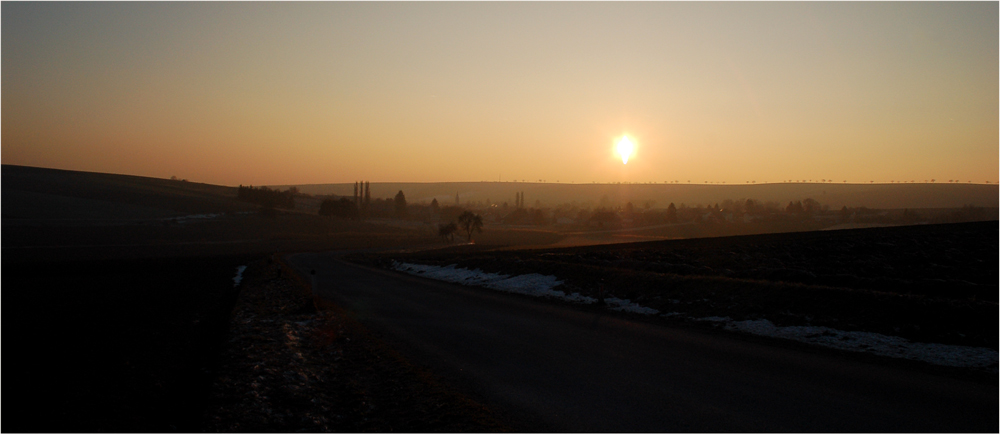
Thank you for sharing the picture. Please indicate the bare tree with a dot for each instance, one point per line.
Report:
(470, 223)
(447, 231)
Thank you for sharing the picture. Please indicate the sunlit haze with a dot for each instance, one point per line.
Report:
(298, 93)
(624, 149)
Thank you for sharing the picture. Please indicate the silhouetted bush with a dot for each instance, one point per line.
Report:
(267, 197)
(400, 204)
(343, 208)
(447, 231)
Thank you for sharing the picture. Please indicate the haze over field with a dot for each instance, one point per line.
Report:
(317, 93)
(660, 196)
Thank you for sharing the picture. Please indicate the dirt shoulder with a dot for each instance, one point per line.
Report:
(293, 363)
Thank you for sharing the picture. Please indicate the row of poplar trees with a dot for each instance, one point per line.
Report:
(362, 194)
(519, 199)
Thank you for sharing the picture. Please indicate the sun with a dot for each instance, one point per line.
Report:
(625, 149)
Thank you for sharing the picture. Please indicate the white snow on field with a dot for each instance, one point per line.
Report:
(239, 275)
(715, 319)
(186, 218)
(866, 342)
(892, 346)
(536, 285)
(626, 305)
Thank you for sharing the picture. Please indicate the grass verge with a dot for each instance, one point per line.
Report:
(296, 363)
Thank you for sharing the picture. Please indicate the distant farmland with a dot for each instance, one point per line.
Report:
(834, 195)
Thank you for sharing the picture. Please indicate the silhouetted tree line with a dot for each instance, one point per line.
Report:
(447, 231)
(468, 221)
(519, 199)
(267, 197)
(728, 216)
(361, 205)
(362, 196)
(343, 208)
(399, 204)
(523, 216)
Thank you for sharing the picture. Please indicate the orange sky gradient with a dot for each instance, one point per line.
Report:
(303, 93)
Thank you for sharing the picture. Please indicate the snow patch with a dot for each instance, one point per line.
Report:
(538, 285)
(715, 319)
(867, 342)
(239, 275)
(626, 305)
(535, 285)
(185, 218)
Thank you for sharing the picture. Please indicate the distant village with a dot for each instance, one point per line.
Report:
(517, 212)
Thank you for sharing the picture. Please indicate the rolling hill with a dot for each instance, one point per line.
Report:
(33, 195)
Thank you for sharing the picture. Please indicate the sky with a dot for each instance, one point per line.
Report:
(305, 93)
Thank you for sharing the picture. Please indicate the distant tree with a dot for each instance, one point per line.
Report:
(810, 205)
(794, 207)
(435, 208)
(672, 213)
(400, 204)
(326, 207)
(447, 231)
(470, 223)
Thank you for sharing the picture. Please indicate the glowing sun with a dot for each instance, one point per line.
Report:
(625, 149)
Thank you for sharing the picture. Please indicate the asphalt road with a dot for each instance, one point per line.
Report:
(548, 367)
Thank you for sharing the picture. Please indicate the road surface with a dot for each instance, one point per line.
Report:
(549, 367)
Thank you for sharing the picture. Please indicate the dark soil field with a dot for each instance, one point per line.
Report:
(119, 302)
(930, 283)
(170, 345)
(122, 314)
(120, 345)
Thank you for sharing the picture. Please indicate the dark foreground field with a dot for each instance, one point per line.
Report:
(120, 345)
(122, 314)
(168, 344)
(929, 283)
